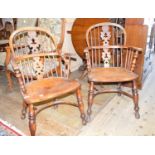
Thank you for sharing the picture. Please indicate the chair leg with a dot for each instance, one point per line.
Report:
(90, 99)
(83, 75)
(119, 89)
(24, 110)
(8, 75)
(32, 120)
(81, 106)
(135, 99)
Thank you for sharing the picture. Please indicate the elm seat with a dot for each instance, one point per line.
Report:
(49, 88)
(113, 74)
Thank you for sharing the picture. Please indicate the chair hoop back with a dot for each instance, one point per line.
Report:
(106, 34)
(34, 53)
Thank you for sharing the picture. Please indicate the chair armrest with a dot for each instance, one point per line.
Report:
(140, 50)
(136, 51)
(66, 58)
(69, 56)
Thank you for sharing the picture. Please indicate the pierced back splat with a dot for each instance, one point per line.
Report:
(103, 36)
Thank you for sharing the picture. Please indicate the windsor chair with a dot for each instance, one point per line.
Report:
(42, 73)
(109, 61)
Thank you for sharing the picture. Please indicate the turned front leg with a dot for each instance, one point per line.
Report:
(81, 105)
(135, 99)
(119, 89)
(90, 99)
(32, 120)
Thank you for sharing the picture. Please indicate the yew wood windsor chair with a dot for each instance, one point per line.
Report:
(42, 73)
(109, 61)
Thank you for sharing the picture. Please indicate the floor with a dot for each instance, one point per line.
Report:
(112, 115)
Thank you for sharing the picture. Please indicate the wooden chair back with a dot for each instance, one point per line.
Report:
(34, 54)
(106, 45)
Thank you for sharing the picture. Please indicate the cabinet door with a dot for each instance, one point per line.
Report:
(134, 21)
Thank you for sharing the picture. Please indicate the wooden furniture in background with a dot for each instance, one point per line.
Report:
(42, 73)
(137, 34)
(133, 21)
(6, 28)
(109, 61)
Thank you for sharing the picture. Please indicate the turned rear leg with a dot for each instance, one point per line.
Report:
(135, 100)
(90, 100)
(24, 110)
(10, 83)
(81, 106)
(119, 89)
(83, 75)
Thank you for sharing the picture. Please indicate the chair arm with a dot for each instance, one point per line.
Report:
(140, 50)
(66, 58)
(69, 56)
(136, 51)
